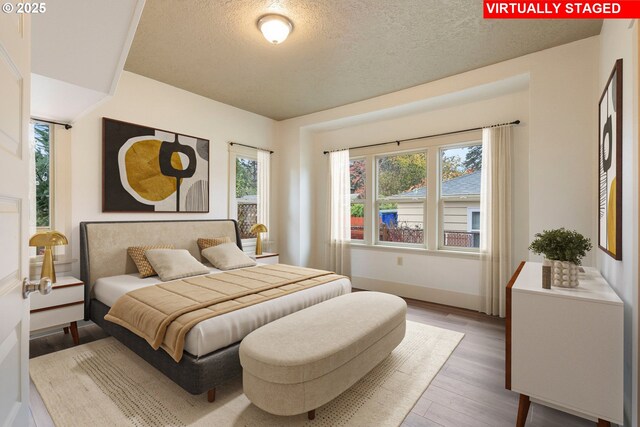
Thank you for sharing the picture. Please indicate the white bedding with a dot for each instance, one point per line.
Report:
(221, 331)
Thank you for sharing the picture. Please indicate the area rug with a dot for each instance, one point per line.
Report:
(103, 383)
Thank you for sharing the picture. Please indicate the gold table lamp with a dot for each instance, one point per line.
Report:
(48, 239)
(257, 230)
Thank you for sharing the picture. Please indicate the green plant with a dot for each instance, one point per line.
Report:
(561, 245)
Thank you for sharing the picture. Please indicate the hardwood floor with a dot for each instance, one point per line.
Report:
(468, 390)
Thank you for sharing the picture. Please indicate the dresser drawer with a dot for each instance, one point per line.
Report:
(57, 316)
(58, 296)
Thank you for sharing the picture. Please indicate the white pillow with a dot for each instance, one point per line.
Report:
(227, 256)
(171, 264)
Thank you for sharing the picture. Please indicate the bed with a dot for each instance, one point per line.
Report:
(211, 347)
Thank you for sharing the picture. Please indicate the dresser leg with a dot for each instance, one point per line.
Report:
(311, 414)
(603, 423)
(211, 395)
(523, 410)
(73, 326)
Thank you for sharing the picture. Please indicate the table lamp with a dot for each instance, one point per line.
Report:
(257, 230)
(48, 239)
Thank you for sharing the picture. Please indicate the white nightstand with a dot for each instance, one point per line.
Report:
(63, 306)
(267, 258)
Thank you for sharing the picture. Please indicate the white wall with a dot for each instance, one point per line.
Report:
(619, 41)
(553, 92)
(148, 102)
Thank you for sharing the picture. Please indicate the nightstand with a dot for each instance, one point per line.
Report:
(64, 306)
(267, 258)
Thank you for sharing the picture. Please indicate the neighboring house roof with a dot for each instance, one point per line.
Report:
(465, 184)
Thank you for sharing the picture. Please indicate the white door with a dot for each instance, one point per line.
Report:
(15, 84)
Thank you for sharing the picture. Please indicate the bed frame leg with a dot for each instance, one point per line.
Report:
(311, 414)
(211, 395)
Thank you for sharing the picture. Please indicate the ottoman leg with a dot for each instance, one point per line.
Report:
(311, 414)
(211, 395)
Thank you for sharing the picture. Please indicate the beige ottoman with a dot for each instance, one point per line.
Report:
(302, 361)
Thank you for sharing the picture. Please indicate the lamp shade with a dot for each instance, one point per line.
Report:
(275, 28)
(48, 238)
(258, 228)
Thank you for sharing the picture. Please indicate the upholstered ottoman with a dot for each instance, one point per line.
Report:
(302, 361)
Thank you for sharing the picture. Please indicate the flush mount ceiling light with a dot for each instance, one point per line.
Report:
(275, 28)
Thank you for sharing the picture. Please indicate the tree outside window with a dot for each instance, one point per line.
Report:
(42, 138)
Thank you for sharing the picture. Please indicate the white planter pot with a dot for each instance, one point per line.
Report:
(564, 274)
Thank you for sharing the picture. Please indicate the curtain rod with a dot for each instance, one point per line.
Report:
(250, 146)
(67, 126)
(515, 122)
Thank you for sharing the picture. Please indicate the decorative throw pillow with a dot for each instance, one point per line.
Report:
(174, 264)
(204, 243)
(137, 255)
(227, 256)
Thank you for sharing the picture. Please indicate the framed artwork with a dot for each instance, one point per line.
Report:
(610, 165)
(153, 170)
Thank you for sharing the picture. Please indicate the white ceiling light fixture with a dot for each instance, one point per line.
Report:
(275, 28)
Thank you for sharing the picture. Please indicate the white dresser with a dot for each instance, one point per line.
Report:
(565, 345)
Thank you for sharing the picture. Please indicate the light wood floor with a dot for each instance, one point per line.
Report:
(468, 390)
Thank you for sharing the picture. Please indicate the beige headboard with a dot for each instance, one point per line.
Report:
(103, 245)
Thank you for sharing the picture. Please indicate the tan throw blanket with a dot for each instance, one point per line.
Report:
(163, 314)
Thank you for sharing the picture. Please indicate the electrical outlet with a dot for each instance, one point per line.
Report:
(399, 261)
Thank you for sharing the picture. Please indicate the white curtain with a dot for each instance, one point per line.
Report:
(264, 174)
(339, 207)
(32, 187)
(495, 218)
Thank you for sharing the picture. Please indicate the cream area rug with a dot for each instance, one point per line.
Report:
(103, 383)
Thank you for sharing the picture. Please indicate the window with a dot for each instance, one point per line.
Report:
(460, 170)
(427, 196)
(249, 189)
(401, 190)
(246, 195)
(358, 175)
(43, 175)
(474, 219)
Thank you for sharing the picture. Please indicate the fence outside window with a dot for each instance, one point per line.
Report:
(247, 218)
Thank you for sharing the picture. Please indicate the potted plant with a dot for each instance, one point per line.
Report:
(565, 250)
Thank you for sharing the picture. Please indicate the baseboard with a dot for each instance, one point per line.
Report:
(440, 296)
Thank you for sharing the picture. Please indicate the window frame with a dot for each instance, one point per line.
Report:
(235, 152)
(377, 200)
(432, 203)
(59, 198)
(453, 198)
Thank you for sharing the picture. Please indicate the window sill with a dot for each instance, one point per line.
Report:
(415, 250)
(37, 261)
(62, 266)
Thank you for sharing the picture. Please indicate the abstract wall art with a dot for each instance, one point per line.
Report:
(152, 170)
(610, 165)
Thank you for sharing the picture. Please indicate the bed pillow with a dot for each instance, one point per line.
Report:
(174, 264)
(227, 256)
(204, 243)
(137, 255)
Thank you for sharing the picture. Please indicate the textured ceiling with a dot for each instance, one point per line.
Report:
(340, 51)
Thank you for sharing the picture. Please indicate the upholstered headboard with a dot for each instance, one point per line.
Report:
(103, 245)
